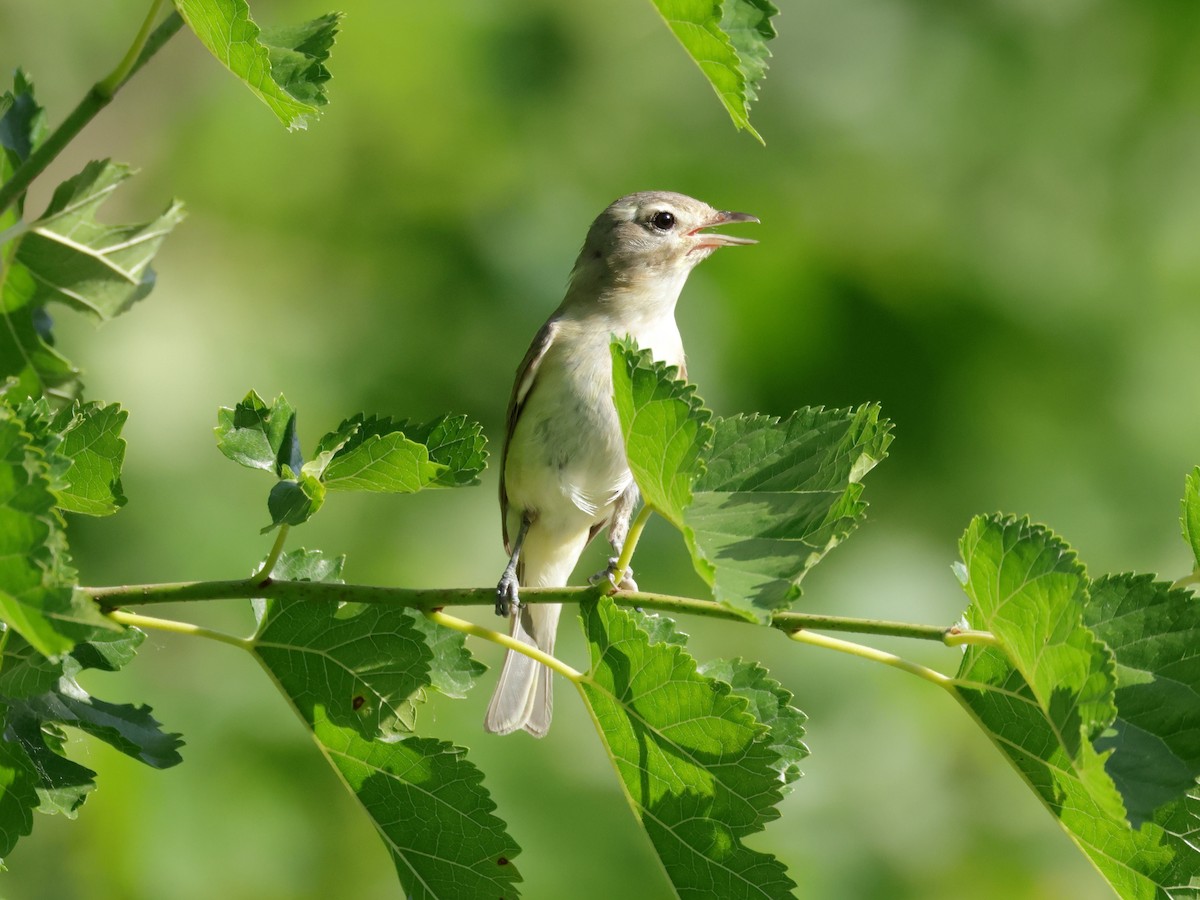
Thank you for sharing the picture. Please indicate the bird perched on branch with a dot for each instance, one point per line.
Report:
(564, 472)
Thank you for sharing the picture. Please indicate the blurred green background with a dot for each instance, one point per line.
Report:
(984, 215)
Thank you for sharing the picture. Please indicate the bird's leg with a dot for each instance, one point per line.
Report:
(507, 590)
(618, 530)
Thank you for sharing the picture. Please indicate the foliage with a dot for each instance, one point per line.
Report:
(1088, 687)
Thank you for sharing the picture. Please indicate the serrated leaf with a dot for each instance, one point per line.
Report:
(259, 436)
(70, 257)
(1049, 692)
(453, 669)
(91, 440)
(769, 703)
(97, 269)
(699, 771)
(1154, 633)
(429, 805)
(381, 462)
(1029, 589)
(1189, 518)
(367, 665)
(364, 669)
(426, 800)
(454, 442)
(727, 40)
(60, 785)
(284, 67)
(775, 497)
(1158, 860)
(130, 729)
(37, 596)
(665, 425)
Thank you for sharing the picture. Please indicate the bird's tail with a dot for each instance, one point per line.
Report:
(524, 696)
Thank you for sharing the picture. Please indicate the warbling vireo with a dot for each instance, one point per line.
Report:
(564, 472)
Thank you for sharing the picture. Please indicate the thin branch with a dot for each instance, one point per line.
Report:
(435, 599)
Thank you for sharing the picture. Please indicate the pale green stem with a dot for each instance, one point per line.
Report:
(879, 656)
(974, 638)
(109, 85)
(632, 538)
(1188, 580)
(150, 622)
(268, 566)
(504, 640)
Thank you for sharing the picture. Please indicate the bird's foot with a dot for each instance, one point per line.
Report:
(620, 581)
(508, 596)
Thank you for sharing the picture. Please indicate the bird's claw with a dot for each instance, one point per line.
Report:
(610, 573)
(507, 594)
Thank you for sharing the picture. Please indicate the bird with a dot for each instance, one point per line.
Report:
(564, 473)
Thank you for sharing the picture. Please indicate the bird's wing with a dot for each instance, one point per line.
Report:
(526, 373)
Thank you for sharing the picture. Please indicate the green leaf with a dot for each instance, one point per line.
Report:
(367, 665)
(429, 805)
(130, 729)
(91, 440)
(1154, 633)
(775, 497)
(770, 703)
(665, 425)
(728, 41)
(1189, 518)
(1049, 692)
(284, 67)
(355, 675)
(1028, 589)
(454, 442)
(22, 127)
(37, 596)
(364, 668)
(381, 462)
(700, 773)
(259, 436)
(97, 269)
(40, 698)
(18, 795)
(70, 257)
(452, 670)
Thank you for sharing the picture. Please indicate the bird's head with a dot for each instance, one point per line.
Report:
(652, 236)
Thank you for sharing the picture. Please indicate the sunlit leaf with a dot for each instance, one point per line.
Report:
(355, 675)
(775, 497)
(284, 67)
(258, 435)
(666, 429)
(699, 771)
(728, 41)
(37, 596)
(91, 440)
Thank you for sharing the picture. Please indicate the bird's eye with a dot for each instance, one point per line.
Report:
(663, 221)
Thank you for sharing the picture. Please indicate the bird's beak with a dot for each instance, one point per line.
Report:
(715, 239)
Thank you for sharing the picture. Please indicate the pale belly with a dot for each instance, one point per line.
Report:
(566, 460)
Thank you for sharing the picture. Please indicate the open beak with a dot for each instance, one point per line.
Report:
(716, 239)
